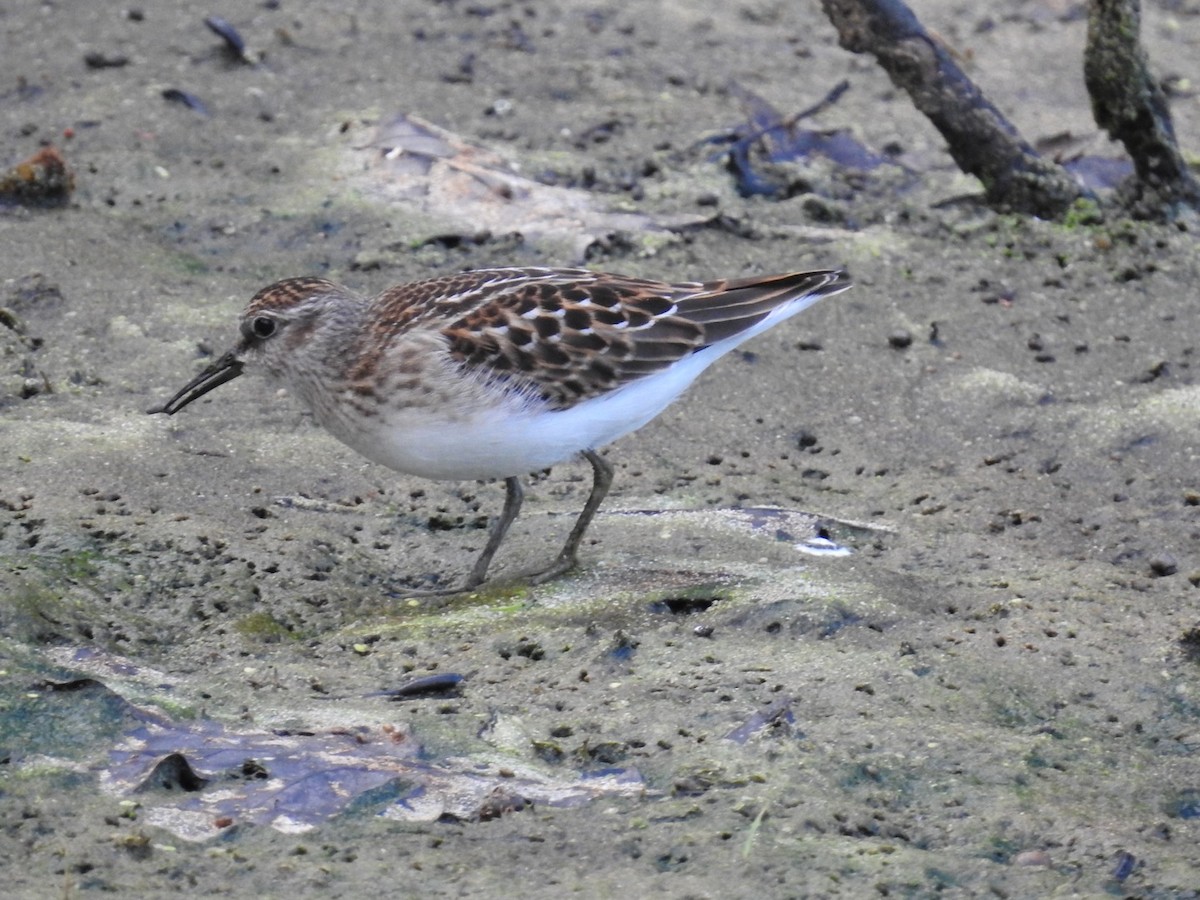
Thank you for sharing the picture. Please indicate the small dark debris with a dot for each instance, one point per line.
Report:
(252, 770)
(442, 684)
(823, 211)
(524, 647)
(623, 646)
(600, 133)
(1126, 863)
(173, 772)
(453, 241)
(97, 60)
(900, 339)
(191, 101)
(683, 606)
(777, 717)
(691, 786)
(1159, 370)
(805, 439)
(441, 521)
(1189, 641)
(41, 180)
(235, 47)
(607, 753)
(68, 687)
(530, 649)
(501, 802)
(548, 751)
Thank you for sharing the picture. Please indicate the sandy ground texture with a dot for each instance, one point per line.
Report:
(995, 694)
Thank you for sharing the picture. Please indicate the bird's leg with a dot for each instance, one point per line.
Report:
(568, 557)
(513, 498)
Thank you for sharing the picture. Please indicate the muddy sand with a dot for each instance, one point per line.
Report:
(995, 693)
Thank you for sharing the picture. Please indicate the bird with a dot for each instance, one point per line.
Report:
(499, 372)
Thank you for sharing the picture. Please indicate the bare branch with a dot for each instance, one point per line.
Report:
(981, 140)
(1132, 107)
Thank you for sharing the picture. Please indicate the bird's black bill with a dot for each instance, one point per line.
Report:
(227, 368)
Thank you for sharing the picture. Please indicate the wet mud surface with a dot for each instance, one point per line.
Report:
(995, 693)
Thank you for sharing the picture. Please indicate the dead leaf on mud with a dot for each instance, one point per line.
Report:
(197, 777)
(459, 188)
(294, 781)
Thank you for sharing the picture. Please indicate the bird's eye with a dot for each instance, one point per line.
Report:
(262, 326)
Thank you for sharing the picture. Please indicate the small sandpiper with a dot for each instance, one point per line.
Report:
(496, 373)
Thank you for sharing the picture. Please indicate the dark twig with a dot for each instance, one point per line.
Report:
(980, 139)
(821, 105)
(1132, 107)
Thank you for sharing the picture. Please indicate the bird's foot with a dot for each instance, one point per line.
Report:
(561, 566)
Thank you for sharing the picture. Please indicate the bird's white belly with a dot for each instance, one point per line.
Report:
(509, 440)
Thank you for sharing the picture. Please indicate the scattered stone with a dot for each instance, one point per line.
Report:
(1163, 564)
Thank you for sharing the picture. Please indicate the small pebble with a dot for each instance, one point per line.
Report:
(900, 338)
(1162, 564)
(1032, 858)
